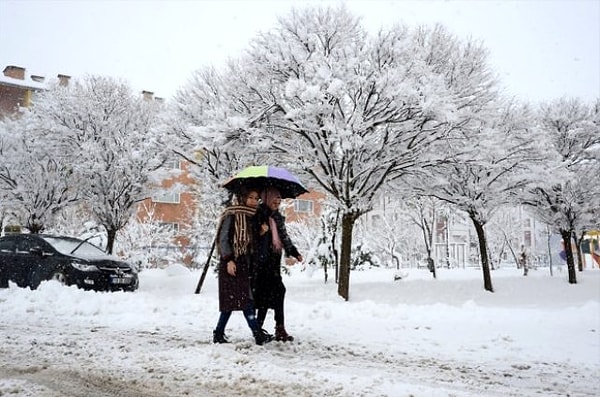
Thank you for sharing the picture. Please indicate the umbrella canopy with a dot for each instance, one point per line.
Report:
(265, 176)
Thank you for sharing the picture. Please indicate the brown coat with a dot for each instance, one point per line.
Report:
(234, 291)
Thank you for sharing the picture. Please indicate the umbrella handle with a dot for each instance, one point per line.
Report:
(206, 266)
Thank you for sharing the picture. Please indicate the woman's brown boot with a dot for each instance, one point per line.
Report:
(281, 334)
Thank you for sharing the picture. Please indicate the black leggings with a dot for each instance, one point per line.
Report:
(277, 304)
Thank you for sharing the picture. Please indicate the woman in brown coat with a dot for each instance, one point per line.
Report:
(234, 244)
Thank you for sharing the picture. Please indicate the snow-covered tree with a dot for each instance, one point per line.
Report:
(356, 111)
(422, 211)
(567, 198)
(393, 234)
(491, 160)
(148, 242)
(36, 184)
(305, 235)
(106, 132)
(327, 249)
(216, 152)
(352, 111)
(504, 233)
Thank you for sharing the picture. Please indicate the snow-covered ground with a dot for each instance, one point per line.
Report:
(535, 336)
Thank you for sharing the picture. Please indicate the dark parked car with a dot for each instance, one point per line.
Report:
(29, 259)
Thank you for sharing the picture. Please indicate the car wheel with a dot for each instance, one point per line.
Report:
(60, 277)
(34, 280)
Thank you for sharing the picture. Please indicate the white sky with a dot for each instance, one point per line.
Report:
(541, 49)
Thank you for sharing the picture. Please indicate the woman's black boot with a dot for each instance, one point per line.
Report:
(219, 337)
(261, 337)
(282, 335)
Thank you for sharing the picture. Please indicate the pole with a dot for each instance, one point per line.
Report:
(206, 266)
(549, 250)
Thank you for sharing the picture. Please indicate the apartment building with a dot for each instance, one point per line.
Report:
(17, 88)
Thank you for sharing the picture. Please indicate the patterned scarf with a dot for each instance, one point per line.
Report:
(242, 230)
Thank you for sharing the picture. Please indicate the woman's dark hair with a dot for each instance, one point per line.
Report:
(243, 193)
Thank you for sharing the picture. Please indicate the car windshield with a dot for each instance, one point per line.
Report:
(67, 245)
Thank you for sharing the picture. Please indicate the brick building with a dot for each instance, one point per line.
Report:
(17, 88)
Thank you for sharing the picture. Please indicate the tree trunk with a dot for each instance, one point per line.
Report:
(428, 238)
(485, 261)
(490, 257)
(397, 261)
(578, 242)
(335, 254)
(566, 236)
(395, 258)
(345, 255)
(110, 240)
(430, 262)
(35, 228)
(579, 257)
(447, 231)
(431, 266)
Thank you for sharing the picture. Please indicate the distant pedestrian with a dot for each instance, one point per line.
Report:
(523, 259)
(234, 244)
(430, 264)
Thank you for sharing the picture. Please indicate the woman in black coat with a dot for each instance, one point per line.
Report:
(271, 239)
(234, 245)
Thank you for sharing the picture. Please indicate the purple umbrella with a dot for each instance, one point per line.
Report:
(265, 176)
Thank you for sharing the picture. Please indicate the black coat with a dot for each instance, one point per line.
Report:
(267, 287)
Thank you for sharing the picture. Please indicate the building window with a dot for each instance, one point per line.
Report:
(169, 226)
(303, 206)
(527, 238)
(171, 198)
(172, 164)
(375, 220)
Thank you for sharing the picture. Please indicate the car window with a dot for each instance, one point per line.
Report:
(67, 245)
(7, 245)
(24, 245)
